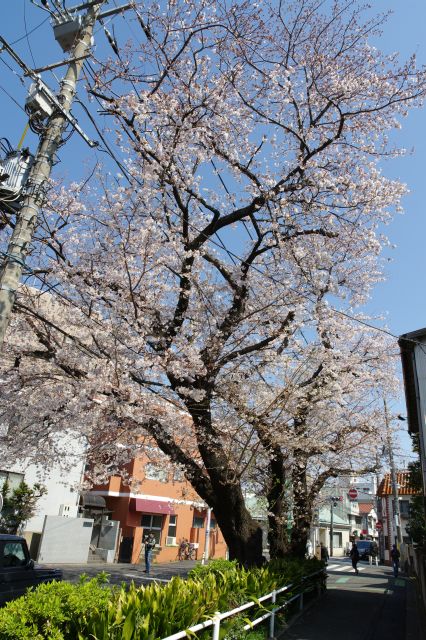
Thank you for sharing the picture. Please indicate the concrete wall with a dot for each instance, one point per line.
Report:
(65, 540)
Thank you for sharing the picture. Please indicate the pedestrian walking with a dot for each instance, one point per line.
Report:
(374, 554)
(324, 553)
(354, 557)
(149, 542)
(395, 556)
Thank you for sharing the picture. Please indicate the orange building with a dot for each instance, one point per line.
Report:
(162, 502)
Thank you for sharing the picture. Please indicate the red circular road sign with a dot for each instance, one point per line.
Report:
(353, 494)
(379, 525)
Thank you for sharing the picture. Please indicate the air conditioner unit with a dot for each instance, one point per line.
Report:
(171, 542)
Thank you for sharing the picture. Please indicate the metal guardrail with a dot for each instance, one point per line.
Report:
(217, 618)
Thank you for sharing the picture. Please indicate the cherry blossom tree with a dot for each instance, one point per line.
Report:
(247, 211)
(319, 416)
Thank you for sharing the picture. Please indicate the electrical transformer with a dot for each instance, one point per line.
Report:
(15, 166)
(66, 32)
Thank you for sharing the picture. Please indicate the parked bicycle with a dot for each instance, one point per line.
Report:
(186, 550)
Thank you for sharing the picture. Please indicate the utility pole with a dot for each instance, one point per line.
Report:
(207, 538)
(396, 524)
(50, 141)
(333, 503)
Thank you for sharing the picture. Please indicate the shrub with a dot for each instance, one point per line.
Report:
(57, 611)
(214, 566)
(93, 611)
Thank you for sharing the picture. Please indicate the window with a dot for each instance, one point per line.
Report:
(14, 479)
(152, 524)
(155, 472)
(337, 540)
(14, 555)
(198, 522)
(171, 532)
(213, 524)
(404, 507)
(172, 526)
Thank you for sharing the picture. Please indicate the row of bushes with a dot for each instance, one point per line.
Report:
(93, 610)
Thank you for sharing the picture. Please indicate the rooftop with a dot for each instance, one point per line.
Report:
(365, 507)
(403, 479)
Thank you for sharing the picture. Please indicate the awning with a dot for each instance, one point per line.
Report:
(93, 500)
(151, 506)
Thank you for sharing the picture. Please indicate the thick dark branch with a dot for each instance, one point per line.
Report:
(194, 473)
(258, 346)
(225, 273)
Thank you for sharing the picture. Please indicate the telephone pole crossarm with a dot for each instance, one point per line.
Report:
(51, 139)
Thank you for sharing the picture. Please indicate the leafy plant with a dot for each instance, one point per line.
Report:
(19, 505)
(93, 610)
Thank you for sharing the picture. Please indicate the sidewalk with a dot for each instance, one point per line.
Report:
(370, 606)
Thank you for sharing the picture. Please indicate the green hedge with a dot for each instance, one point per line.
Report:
(92, 610)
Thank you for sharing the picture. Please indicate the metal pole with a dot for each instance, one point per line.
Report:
(50, 141)
(207, 538)
(396, 523)
(272, 618)
(216, 626)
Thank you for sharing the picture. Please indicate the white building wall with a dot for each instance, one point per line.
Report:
(61, 486)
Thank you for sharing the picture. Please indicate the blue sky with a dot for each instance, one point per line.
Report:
(402, 297)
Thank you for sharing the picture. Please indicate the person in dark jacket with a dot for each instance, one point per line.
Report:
(395, 556)
(324, 553)
(373, 556)
(149, 542)
(354, 557)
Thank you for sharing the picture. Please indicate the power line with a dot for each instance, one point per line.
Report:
(13, 99)
(27, 33)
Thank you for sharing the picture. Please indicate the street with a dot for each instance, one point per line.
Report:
(370, 606)
(125, 572)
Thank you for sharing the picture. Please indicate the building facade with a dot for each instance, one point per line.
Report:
(387, 513)
(159, 501)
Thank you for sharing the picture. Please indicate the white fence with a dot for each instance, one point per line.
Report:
(217, 618)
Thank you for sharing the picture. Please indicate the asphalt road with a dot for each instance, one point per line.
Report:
(118, 573)
(370, 606)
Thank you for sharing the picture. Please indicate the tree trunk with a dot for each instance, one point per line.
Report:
(302, 510)
(278, 506)
(242, 534)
